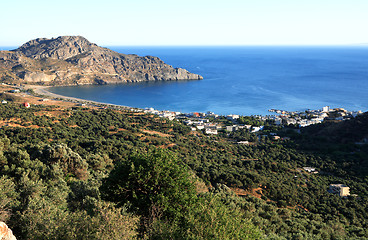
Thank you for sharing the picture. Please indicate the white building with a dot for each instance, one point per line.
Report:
(200, 126)
(309, 169)
(246, 126)
(326, 109)
(232, 128)
(211, 131)
(290, 121)
(167, 114)
(212, 126)
(232, 117)
(151, 110)
(188, 122)
(257, 129)
(339, 189)
(278, 121)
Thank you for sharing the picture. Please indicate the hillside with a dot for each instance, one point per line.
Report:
(73, 60)
(124, 173)
(352, 131)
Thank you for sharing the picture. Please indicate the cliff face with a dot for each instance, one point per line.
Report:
(72, 60)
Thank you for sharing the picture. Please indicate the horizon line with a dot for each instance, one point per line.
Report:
(222, 45)
(241, 45)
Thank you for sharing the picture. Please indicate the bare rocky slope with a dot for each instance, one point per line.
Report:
(73, 60)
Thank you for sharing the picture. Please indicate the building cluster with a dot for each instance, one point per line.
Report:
(201, 121)
(310, 170)
(203, 124)
(309, 117)
(197, 121)
(166, 114)
(236, 127)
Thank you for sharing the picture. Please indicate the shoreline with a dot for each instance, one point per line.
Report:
(37, 94)
(42, 91)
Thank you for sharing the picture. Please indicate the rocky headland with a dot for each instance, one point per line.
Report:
(73, 60)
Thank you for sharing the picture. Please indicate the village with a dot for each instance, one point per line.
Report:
(209, 124)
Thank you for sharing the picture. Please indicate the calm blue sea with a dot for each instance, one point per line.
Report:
(245, 80)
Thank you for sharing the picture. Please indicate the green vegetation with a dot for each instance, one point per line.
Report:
(126, 175)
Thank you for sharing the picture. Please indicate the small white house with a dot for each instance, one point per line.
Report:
(211, 131)
(326, 109)
(339, 189)
(278, 121)
(232, 128)
(200, 126)
(232, 117)
(257, 129)
(309, 169)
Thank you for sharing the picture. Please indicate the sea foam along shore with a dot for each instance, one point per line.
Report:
(43, 91)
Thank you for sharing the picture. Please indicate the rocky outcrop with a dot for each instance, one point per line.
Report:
(72, 60)
(59, 48)
(5, 232)
(38, 76)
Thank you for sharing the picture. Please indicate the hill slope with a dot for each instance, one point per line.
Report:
(350, 131)
(73, 60)
(60, 165)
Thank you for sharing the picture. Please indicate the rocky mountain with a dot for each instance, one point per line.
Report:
(73, 60)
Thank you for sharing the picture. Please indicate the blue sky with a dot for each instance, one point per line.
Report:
(187, 22)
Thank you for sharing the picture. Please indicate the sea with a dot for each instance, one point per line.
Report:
(245, 80)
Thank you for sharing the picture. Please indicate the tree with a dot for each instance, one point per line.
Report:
(8, 197)
(155, 183)
(162, 190)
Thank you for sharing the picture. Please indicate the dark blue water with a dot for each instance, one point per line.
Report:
(245, 80)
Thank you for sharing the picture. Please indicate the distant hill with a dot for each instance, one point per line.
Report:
(73, 60)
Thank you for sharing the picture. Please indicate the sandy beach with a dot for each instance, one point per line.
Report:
(42, 91)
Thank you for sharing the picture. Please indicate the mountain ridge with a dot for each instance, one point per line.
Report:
(73, 60)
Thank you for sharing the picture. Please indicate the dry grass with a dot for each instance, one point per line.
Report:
(158, 133)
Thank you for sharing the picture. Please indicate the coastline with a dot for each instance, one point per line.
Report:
(36, 95)
(43, 91)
